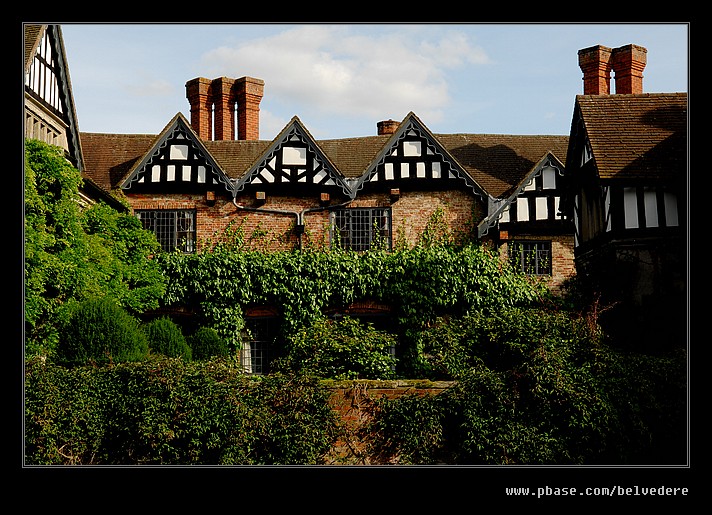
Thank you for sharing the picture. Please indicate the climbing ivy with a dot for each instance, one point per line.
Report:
(420, 283)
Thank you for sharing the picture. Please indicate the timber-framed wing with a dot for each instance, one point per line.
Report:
(536, 199)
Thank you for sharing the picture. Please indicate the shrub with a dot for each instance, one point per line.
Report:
(165, 411)
(344, 349)
(165, 337)
(206, 343)
(99, 330)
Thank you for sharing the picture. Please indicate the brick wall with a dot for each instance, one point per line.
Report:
(411, 213)
(562, 259)
(414, 210)
(353, 402)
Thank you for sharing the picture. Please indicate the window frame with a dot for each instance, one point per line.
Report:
(175, 242)
(517, 257)
(258, 351)
(348, 230)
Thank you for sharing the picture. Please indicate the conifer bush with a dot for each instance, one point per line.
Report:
(166, 337)
(206, 343)
(99, 330)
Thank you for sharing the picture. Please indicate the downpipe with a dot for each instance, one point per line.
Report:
(298, 215)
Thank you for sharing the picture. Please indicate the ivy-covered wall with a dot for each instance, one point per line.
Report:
(353, 403)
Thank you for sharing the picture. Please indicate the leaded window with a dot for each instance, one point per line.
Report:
(531, 257)
(362, 229)
(260, 348)
(174, 228)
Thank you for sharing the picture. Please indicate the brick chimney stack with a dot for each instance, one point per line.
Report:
(212, 106)
(201, 106)
(387, 127)
(627, 62)
(595, 65)
(249, 93)
(224, 102)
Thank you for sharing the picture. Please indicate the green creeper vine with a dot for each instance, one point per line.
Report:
(420, 283)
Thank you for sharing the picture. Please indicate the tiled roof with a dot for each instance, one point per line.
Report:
(636, 136)
(352, 155)
(109, 157)
(236, 156)
(497, 162)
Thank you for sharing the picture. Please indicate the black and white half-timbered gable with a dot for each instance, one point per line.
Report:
(49, 106)
(530, 219)
(414, 158)
(292, 163)
(627, 173)
(178, 162)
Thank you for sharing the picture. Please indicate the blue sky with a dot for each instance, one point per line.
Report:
(341, 79)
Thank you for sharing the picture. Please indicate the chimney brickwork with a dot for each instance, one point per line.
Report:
(212, 106)
(201, 106)
(387, 127)
(627, 62)
(249, 92)
(224, 105)
(595, 65)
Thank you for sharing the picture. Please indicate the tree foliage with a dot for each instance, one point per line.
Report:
(166, 337)
(73, 253)
(342, 349)
(535, 386)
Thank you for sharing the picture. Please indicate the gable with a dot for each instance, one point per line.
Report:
(294, 160)
(177, 162)
(47, 84)
(414, 156)
(536, 199)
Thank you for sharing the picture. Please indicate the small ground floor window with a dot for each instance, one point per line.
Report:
(261, 347)
(531, 257)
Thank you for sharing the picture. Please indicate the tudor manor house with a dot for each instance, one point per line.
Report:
(608, 201)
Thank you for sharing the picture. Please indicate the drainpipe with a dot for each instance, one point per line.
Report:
(298, 215)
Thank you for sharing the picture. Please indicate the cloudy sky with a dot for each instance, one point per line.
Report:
(341, 79)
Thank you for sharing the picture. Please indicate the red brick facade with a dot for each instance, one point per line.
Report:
(411, 213)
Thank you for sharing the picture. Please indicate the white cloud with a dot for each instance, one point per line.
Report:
(328, 68)
(150, 88)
